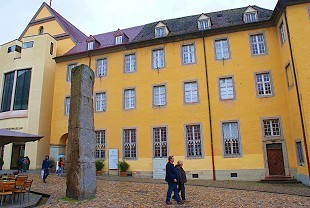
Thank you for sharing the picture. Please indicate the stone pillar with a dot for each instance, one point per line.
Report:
(81, 172)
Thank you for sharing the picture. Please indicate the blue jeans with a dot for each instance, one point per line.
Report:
(172, 187)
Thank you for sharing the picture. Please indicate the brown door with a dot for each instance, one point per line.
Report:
(275, 159)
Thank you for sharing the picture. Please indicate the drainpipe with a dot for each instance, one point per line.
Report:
(89, 59)
(209, 105)
(298, 95)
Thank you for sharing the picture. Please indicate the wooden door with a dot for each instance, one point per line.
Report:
(275, 159)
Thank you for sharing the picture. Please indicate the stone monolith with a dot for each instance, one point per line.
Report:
(81, 173)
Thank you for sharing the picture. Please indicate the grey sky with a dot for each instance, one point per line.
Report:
(98, 16)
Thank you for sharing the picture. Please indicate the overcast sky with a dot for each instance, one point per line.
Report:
(98, 16)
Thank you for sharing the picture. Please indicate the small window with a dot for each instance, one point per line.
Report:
(282, 33)
(250, 17)
(67, 105)
(226, 88)
(289, 76)
(41, 30)
(160, 32)
(258, 45)
(190, 92)
(193, 141)
(158, 56)
(16, 48)
(130, 63)
(52, 48)
(159, 95)
(221, 49)
(28, 44)
(119, 40)
(160, 142)
(263, 84)
(300, 154)
(100, 144)
(204, 24)
(188, 54)
(90, 46)
(129, 99)
(102, 67)
(129, 143)
(231, 139)
(272, 127)
(69, 71)
(100, 102)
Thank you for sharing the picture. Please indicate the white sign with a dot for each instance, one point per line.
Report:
(113, 159)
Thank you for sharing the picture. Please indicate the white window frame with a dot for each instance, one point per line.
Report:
(130, 99)
(158, 58)
(160, 143)
(118, 39)
(226, 91)
(193, 140)
(300, 153)
(264, 83)
(69, 70)
(272, 125)
(221, 49)
(190, 92)
(188, 54)
(100, 102)
(130, 63)
(90, 45)
(67, 105)
(102, 66)
(282, 33)
(160, 32)
(131, 143)
(258, 44)
(204, 24)
(100, 146)
(159, 95)
(250, 17)
(230, 148)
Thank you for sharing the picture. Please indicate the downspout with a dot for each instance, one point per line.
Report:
(298, 95)
(209, 105)
(89, 59)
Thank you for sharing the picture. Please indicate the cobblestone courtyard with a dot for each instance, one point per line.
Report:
(114, 191)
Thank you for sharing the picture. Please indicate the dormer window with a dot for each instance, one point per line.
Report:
(250, 15)
(161, 30)
(90, 46)
(119, 40)
(204, 22)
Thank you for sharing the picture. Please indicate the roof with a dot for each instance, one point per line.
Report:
(75, 34)
(177, 26)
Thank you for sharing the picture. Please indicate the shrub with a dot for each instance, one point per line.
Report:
(52, 162)
(123, 166)
(99, 164)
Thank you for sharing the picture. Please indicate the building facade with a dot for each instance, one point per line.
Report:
(226, 92)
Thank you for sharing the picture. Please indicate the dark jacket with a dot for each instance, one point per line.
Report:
(45, 164)
(182, 174)
(171, 173)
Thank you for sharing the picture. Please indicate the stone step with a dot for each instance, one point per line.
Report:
(279, 179)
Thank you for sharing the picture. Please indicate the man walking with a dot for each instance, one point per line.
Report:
(172, 178)
(45, 168)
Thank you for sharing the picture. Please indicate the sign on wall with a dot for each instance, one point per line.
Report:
(113, 159)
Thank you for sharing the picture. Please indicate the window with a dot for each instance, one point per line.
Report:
(14, 48)
(52, 48)
(159, 95)
(158, 59)
(193, 141)
(188, 54)
(130, 140)
(221, 49)
(119, 40)
(226, 88)
(263, 84)
(18, 99)
(90, 46)
(282, 33)
(190, 92)
(204, 24)
(250, 17)
(100, 102)
(27, 44)
(100, 144)
(258, 44)
(231, 140)
(67, 105)
(289, 76)
(129, 99)
(41, 30)
(69, 71)
(160, 32)
(130, 63)
(160, 142)
(102, 67)
(271, 127)
(300, 154)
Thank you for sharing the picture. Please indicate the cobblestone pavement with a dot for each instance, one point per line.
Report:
(115, 191)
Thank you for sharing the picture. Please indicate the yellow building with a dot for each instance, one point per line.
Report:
(225, 92)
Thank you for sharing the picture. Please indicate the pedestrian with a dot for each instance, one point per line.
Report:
(60, 167)
(45, 168)
(183, 180)
(24, 164)
(172, 178)
(19, 164)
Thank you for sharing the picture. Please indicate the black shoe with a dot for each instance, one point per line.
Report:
(181, 202)
(168, 203)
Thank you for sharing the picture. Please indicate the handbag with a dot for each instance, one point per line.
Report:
(42, 174)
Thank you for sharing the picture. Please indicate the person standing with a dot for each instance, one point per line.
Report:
(45, 167)
(183, 180)
(172, 178)
(60, 167)
(19, 164)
